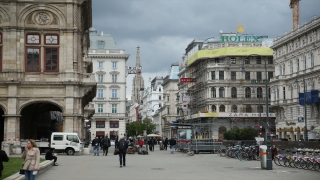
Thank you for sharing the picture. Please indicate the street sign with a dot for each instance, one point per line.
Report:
(300, 119)
(186, 80)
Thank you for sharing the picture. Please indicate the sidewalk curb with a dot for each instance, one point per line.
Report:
(42, 168)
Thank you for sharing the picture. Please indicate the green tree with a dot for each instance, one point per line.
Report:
(248, 133)
(137, 128)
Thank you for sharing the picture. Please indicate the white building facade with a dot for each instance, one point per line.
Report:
(109, 66)
(297, 69)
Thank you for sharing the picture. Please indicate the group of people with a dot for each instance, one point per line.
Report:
(104, 143)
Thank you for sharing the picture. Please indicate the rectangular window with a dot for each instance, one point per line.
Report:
(168, 110)
(258, 61)
(284, 92)
(33, 39)
(51, 39)
(270, 61)
(100, 77)
(221, 75)
(247, 76)
(270, 75)
(114, 64)
(247, 61)
(213, 75)
(100, 93)
(233, 60)
(100, 44)
(114, 93)
(233, 75)
(51, 59)
(58, 137)
(114, 124)
(73, 138)
(100, 124)
(168, 98)
(100, 64)
(259, 75)
(100, 108)
(32, 59)
(114, 108)
(217, 60)
(114, 78)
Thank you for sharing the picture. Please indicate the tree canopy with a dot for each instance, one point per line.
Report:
(137, 128)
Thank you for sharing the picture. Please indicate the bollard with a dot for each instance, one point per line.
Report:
(263, 156)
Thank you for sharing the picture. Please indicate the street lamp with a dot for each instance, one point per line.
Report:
(268, 141)
(305, 108)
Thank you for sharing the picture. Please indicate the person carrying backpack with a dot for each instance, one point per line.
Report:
(122, 146)
(105, 144)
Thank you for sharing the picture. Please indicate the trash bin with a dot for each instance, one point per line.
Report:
(263, 156)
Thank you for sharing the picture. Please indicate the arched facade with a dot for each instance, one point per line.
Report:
(49, 73)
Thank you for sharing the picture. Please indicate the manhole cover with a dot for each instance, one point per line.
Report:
(227, 167)
(157, 168)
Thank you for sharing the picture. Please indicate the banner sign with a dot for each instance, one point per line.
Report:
(308, 98)
(186, 80)
(315, 96)
(301, 99)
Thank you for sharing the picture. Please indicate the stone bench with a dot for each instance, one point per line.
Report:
(42, 167)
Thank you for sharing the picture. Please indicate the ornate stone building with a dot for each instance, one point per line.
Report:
(44, 68)
(297, 67)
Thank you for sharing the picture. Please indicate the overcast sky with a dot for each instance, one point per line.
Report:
(164, 28)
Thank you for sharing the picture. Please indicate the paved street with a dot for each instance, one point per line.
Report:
(160, 165)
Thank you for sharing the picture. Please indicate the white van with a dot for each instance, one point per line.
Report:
(66, 142)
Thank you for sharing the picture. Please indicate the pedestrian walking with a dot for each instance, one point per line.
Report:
(96, 145)
(172, 143)
(31, 156)
(122, 146)
(116, 142)
(3, 158)
(166, 141)
(105, 144)
(274, 151)
(152, 142)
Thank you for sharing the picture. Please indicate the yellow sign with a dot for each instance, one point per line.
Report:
(230, 51)
(240, 28)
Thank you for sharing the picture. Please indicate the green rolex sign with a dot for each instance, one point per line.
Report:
(240, 39)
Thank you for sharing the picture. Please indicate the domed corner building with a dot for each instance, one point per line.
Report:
(223, 81)
(46, 80)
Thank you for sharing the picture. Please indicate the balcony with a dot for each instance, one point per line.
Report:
(110, 115)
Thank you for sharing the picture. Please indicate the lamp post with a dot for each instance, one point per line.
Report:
(305, 108)
(268, 140)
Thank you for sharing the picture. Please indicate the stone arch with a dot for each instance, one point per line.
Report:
(4, 15)
(23, 105)
(44, 7)
(3, 107)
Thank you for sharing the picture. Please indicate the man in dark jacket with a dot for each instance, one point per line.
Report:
(122, 146)
(105, 144)
(165, 144)
(3, 158)
(172, 143)
(50, 156)
(95, 145)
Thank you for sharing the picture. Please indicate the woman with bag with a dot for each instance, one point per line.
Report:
(31, 156)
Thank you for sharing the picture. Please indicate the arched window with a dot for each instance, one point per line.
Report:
(221, 92)
(233, 92)
(312, 59)
(222, 108)
(234, 109)
(248, 109)
(214, 108)
(213, 92)
(248, 92)
(260, 108)
(259, 92)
